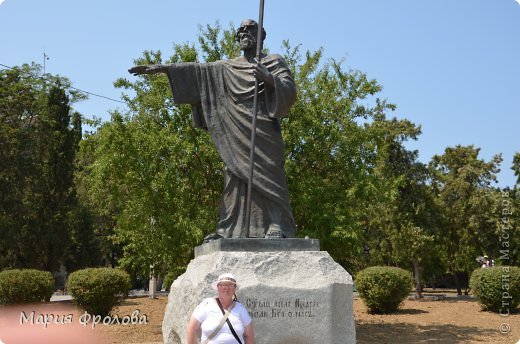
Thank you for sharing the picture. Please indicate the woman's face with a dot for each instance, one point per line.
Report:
(226, 289)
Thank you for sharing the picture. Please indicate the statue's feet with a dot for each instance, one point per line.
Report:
(275, 232)
(211, 237)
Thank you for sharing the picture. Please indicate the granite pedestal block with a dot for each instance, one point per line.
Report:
(294, 293)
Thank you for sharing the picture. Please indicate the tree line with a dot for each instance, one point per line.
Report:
(142, 189)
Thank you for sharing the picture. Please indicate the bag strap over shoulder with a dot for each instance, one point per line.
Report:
(229, 322)
(221, 323)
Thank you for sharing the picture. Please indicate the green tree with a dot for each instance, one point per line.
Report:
(462, 182)
(39, 136)
(511, 216)
(508, 220)
(402, 225)
(516, 167)
(331, 152)
(154, 178)
(18, 108)
(160, 179)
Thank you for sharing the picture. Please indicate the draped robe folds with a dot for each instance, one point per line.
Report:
(221, 94)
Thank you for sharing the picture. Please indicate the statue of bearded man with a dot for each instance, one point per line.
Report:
(221, 94)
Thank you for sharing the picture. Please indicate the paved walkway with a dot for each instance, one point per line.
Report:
(56, 297)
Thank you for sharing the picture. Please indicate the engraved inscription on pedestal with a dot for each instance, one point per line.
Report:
(283, 308)
(300, 297)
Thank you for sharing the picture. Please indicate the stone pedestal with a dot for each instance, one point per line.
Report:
(295, 293)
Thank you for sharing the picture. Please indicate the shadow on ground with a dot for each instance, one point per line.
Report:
(408, 333)
(129, 302)
(410, 311)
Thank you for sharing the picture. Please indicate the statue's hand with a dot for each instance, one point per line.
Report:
(142, 69)
(261, 72)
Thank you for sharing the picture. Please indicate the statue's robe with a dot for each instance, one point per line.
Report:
(221, 94)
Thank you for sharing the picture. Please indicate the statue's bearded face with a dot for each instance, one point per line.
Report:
(246, 35)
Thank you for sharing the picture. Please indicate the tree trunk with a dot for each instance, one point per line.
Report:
(152, 288)
(456, 280)
(417, 274)
(152, 283)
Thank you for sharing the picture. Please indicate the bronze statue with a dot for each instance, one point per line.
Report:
(221, 94)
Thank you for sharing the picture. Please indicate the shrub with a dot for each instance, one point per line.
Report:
(172, 276)
(383, 288)
(168, 280)
(497, 289)
(25, 286)
(98, 290)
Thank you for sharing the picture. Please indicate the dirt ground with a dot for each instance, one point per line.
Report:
(454, 320)
(449, 321)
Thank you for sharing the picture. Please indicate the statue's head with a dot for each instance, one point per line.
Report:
(247, 33)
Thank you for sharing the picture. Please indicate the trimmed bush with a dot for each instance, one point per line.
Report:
(98, 290)
(25, 286)
(383, 288)
(497, 289)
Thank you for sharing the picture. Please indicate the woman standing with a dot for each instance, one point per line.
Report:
(223, 320)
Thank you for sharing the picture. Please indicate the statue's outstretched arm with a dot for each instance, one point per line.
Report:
(148, 69)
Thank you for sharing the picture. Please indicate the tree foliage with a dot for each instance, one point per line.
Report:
(516, 167)
(160, 179)
(462, 182)
(401, 226)
(146, 185)
(333, 138)
(155, 176)
(39, 137)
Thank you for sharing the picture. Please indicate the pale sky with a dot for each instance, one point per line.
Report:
(451, 66)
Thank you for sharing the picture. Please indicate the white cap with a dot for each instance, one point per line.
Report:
(227, 277)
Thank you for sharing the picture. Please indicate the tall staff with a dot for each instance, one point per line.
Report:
(253, 130)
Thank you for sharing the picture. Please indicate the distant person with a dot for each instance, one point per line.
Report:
(223, 319)
(483, 261)
(490, 262)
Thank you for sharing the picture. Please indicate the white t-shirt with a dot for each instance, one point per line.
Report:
(208, 313)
